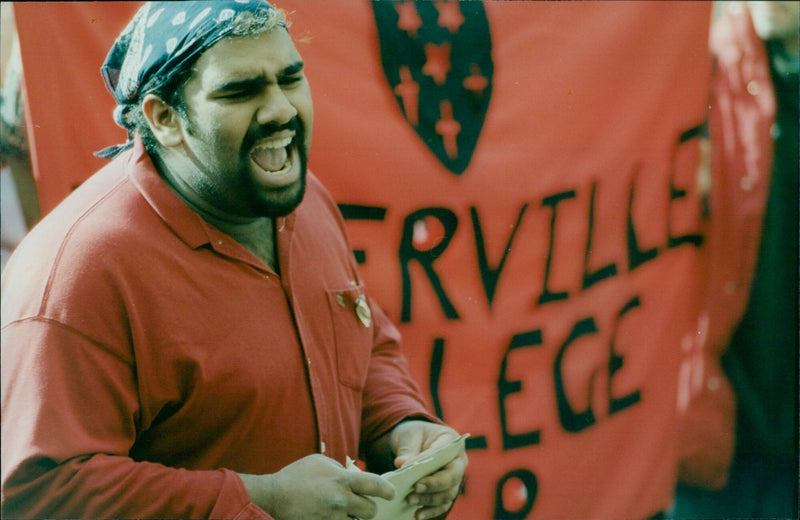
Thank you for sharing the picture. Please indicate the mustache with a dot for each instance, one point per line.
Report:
(266, 130)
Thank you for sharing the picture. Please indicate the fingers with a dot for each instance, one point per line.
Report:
(432, 512)
(344, 505)
(448, 477)
(433, 495)
(413, 440)
(370, 485)
(407, 444)
(353, 499)
(434, 504)
(361, 507)
(363, 486)
(433, 499)
(437, 492)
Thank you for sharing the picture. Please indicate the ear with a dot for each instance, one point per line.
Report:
(163, 120)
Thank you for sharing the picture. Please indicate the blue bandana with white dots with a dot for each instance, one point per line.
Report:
(162, 37)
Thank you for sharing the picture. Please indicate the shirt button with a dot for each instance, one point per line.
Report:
(746, 183)
(322, 447)
(730, 288)
(713, 384)
(752, 88)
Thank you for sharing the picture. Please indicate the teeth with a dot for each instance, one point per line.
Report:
(275, 143)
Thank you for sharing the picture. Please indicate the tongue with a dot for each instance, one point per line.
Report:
(270, 159)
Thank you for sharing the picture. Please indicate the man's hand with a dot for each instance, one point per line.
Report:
(412, 440)
(317, 488)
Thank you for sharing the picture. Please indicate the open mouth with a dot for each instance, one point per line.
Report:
(273, 155)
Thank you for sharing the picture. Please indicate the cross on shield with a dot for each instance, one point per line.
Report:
(438, 61)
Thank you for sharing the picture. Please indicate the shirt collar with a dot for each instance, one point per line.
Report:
(187, 224)
(184, 222)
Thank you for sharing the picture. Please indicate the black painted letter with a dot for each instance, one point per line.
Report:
(506, 387)
(425, 258)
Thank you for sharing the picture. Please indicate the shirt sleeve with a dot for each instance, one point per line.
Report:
(390, 394)
(69, 418)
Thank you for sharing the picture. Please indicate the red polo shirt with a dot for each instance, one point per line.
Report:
(146, 355)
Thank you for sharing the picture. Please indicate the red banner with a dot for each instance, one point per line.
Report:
(536, 236)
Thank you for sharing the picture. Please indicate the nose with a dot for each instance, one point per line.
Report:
(276, 107)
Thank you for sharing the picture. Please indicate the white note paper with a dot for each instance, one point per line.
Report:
(403, 480)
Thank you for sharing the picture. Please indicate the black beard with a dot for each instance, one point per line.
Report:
(284, 200)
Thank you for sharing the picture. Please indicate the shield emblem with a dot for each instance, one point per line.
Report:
(437, 57)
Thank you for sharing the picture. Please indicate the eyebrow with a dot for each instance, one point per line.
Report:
(258, 80)
(291, 70)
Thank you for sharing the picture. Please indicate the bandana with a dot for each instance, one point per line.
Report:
(159, 40)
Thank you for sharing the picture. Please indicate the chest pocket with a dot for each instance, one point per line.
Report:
(352, 329)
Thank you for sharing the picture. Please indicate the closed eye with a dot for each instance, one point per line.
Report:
(245, 88)
(291, 80)
(240, 89)
(292, 74)
(237, 94)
